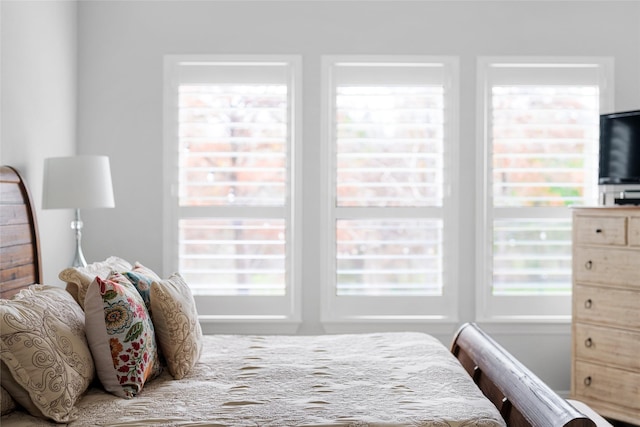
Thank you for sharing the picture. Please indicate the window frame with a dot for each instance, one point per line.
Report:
(345, 310)
(539, 308)
(219, 313)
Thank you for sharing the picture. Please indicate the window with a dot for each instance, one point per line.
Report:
(230, 157)
(389, 143)
(540, 156)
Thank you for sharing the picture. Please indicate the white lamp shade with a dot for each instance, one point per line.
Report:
(78, 182)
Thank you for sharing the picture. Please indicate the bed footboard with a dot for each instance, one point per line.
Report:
(520, 396)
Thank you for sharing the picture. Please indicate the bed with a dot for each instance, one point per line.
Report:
(380, 379)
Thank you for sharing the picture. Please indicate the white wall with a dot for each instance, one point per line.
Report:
(38, 112)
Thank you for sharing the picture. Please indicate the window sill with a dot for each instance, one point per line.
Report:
(248, 324)
(526, 326)
(363, 324)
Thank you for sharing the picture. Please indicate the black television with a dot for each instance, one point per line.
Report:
(619, 148)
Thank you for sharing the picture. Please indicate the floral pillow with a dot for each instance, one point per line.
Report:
(142, 284)
(121, 336)
(177, 327)
(46, 362)
(141, 277)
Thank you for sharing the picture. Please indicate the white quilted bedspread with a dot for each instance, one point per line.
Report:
(391, 379)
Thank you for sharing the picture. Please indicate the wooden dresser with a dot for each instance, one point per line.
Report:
(605, 367)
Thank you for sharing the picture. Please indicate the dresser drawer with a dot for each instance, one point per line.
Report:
(612, 347)
(606, 306)
(634, 231)
(607, 384)
(611, 266)
(600, 230)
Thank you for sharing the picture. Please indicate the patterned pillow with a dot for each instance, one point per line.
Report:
(141, 277)
(46, 359)
(139, 268)
(121, 336)
(78, 279)
(17, 392)
(142, 284)
(177, 327)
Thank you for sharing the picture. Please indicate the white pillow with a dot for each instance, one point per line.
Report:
(78, 279)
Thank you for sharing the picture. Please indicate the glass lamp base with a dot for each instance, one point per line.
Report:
(78, 258)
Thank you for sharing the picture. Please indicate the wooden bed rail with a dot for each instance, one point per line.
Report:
(520, 396)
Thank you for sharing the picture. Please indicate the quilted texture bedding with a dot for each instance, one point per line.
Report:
(385, 379)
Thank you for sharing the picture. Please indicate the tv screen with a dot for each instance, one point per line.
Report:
(619, 148)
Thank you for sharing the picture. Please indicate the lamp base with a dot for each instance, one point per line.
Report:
(78, 258)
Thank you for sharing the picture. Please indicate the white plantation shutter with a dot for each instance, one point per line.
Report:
(389, 258)
(389, 153)
(233, 257)
(531, 257)
(542, 144)
(544, 149)
(233, 122)
(388, 125)
(233, 152)
(389, 145)
(233, 144)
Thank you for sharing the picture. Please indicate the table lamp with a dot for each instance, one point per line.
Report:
(78, 182)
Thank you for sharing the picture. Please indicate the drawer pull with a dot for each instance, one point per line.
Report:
(588, 303)
(588, 265)
(598, 230)
(588, 342)
(587, 381)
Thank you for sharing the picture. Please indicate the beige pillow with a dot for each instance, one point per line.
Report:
(139, 268)
(78, 279)
(176, 321)
(17, 392)
(7, 404)
(45, 351)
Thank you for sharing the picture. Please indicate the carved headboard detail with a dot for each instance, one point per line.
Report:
(20, 263)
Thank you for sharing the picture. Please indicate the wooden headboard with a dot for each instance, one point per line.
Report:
(20, 263)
